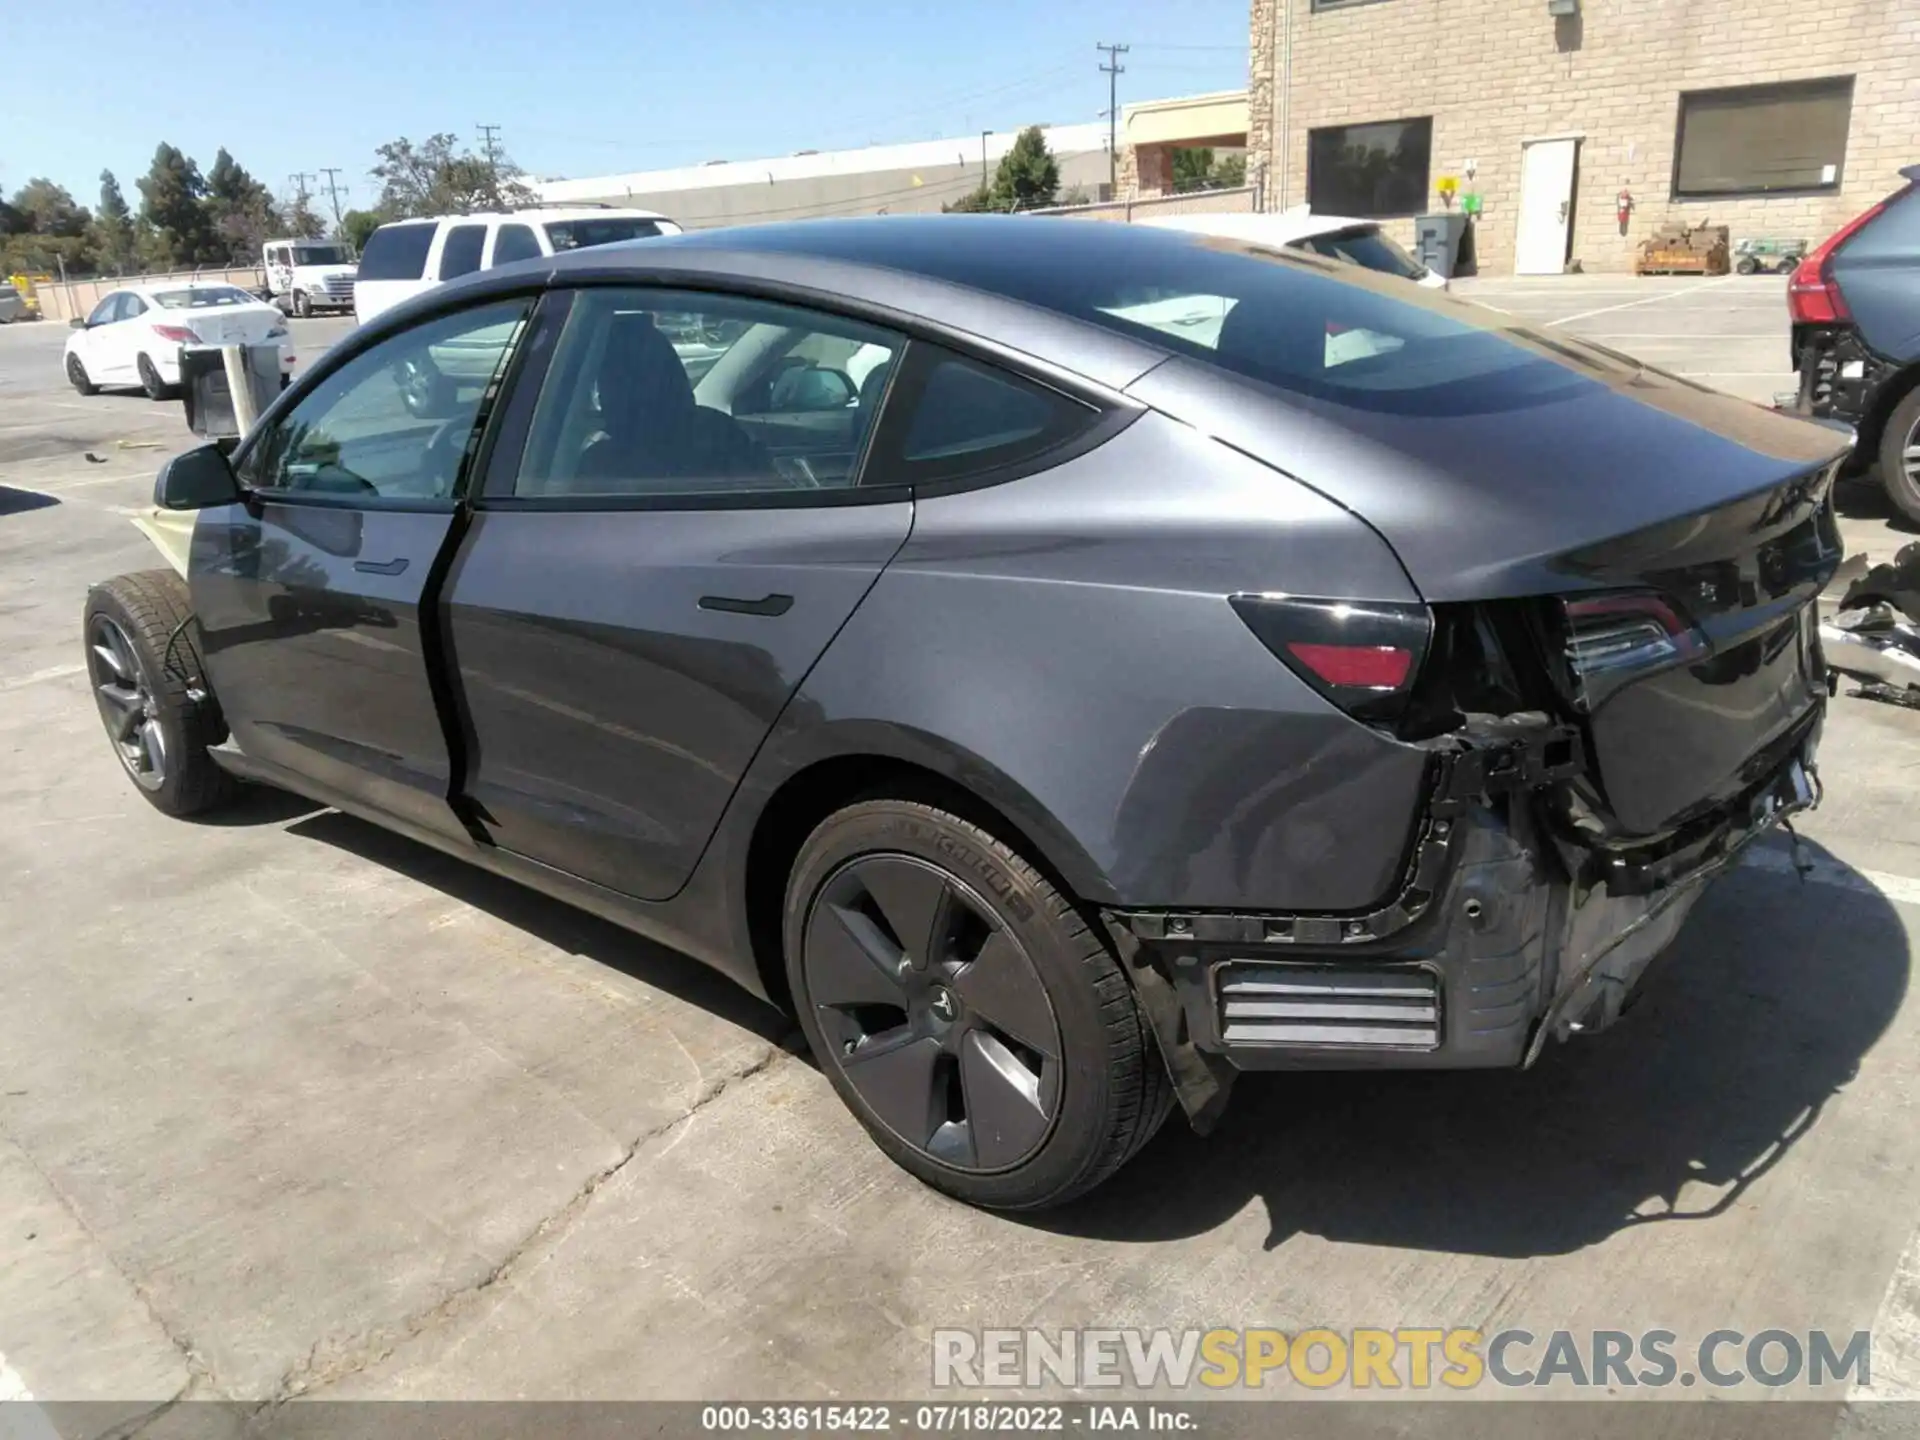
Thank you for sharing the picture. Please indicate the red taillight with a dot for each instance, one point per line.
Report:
(178, 334)
(1364, 656)
(1613, 639)
(1813, 298)
(1371, 667)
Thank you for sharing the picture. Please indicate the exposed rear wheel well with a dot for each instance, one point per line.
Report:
(809, 797)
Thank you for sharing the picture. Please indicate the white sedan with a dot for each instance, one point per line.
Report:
(134, 335)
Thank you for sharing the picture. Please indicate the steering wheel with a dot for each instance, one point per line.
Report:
(440, 458)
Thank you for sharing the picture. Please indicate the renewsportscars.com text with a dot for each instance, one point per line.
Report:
(1403, 1358)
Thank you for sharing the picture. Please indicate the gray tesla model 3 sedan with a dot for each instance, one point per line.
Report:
(1068, 664)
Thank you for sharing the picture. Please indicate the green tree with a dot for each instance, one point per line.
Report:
(1192, 168)
(356, 226)
(298, 220)
(113, 239)
(240, 210)
(50, 230)
(178, 230)
(1230, 173)
(435, 178)
(1028, 177)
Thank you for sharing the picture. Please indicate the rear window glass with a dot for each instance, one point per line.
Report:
(1366, 246)
(397, 252)
(461, 254)
(201, 297)
(1315, 327)
(579, 234)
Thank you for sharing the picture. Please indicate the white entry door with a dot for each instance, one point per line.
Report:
(1546, 206)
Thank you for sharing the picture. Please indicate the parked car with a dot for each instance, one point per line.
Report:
(1064, 716)
(1855, 303)
(410, 256)
(1337, 237)
(133, 336)
(304, 276)
(13, 305)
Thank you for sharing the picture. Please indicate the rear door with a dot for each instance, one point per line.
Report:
(647, 581)
(309, 593)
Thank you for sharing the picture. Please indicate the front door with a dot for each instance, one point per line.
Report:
(1546, 206)
(645, 586)
(309, 593)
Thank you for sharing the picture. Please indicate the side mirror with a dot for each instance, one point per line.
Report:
(76, 323)
(195, 480)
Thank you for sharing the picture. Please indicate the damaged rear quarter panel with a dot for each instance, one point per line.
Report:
(1064, 643)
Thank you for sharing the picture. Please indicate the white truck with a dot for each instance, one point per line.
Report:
(305, 276)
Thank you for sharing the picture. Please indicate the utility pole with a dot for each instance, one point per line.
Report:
(492, 149)
(333, 192)
(983, 160)
(1113, 70)
(299, 180)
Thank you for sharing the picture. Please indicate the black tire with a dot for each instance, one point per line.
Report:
(150, 381)
(149, 610)
(302, 306)
(78, 378)
(1102, 1098)
(1898, 473)
(1746, 265)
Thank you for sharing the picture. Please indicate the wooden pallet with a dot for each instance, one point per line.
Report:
(1680, 261)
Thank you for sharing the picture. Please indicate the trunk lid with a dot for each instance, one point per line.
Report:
(1573, 472)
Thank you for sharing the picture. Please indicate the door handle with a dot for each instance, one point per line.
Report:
(765, 605)
(395, 566)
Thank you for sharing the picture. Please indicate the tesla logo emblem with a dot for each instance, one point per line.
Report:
(941, 1003)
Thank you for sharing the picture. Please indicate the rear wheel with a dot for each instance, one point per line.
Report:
(150, 381)
(969, 1017)
(1900, 456)
(143, 664)
(78, 378)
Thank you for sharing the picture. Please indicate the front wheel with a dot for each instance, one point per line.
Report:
(302, 305)
(965, 1012)
(145, 671)
(78, 378)
(1900, 456)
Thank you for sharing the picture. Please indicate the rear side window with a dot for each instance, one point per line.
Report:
(397, 252)
(515, 242)
(461, 254)
(1367, 247)
(963, 418)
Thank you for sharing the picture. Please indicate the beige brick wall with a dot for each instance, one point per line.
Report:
(1493, 73)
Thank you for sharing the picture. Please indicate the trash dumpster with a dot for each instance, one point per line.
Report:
(1436, 241)
(207, 394)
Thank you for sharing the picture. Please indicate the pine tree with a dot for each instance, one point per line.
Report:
(180, 233)
(113, 226)
(1028, 177)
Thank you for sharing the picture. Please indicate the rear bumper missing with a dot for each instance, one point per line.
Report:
(1522, 937)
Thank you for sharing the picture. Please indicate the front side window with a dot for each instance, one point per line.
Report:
(1762, 138)
(397, 252)
(461, 254)
(515, 242)
(1369, 171)
(394, 421)
(656, 393)
(108, 310)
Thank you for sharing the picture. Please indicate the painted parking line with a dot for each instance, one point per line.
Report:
(36, 677)
(1900, 889)
(1646, 300)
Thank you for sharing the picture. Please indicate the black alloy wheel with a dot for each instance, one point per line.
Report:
(933, 1012)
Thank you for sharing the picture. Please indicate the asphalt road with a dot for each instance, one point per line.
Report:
(289, 1106)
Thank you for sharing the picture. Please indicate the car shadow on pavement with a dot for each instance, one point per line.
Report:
(1755, 1018)
(552, 921)
(1864, 497)
(17, 502)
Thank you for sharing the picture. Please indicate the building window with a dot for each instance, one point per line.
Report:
(1373, 171)
(1762, 139)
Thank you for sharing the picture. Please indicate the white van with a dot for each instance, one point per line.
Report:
(407, 257)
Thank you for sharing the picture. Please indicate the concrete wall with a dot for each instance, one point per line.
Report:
(1493, 73)
(76, 298)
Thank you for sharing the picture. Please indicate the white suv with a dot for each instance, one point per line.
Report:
(404, 258)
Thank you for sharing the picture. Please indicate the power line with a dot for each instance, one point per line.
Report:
(299, 180)
(1113, 70)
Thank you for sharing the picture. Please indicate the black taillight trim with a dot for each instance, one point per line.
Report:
(1301, 630)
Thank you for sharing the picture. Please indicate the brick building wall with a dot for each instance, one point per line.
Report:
(1492, 73)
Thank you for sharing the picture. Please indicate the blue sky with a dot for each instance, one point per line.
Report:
(579, 87)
